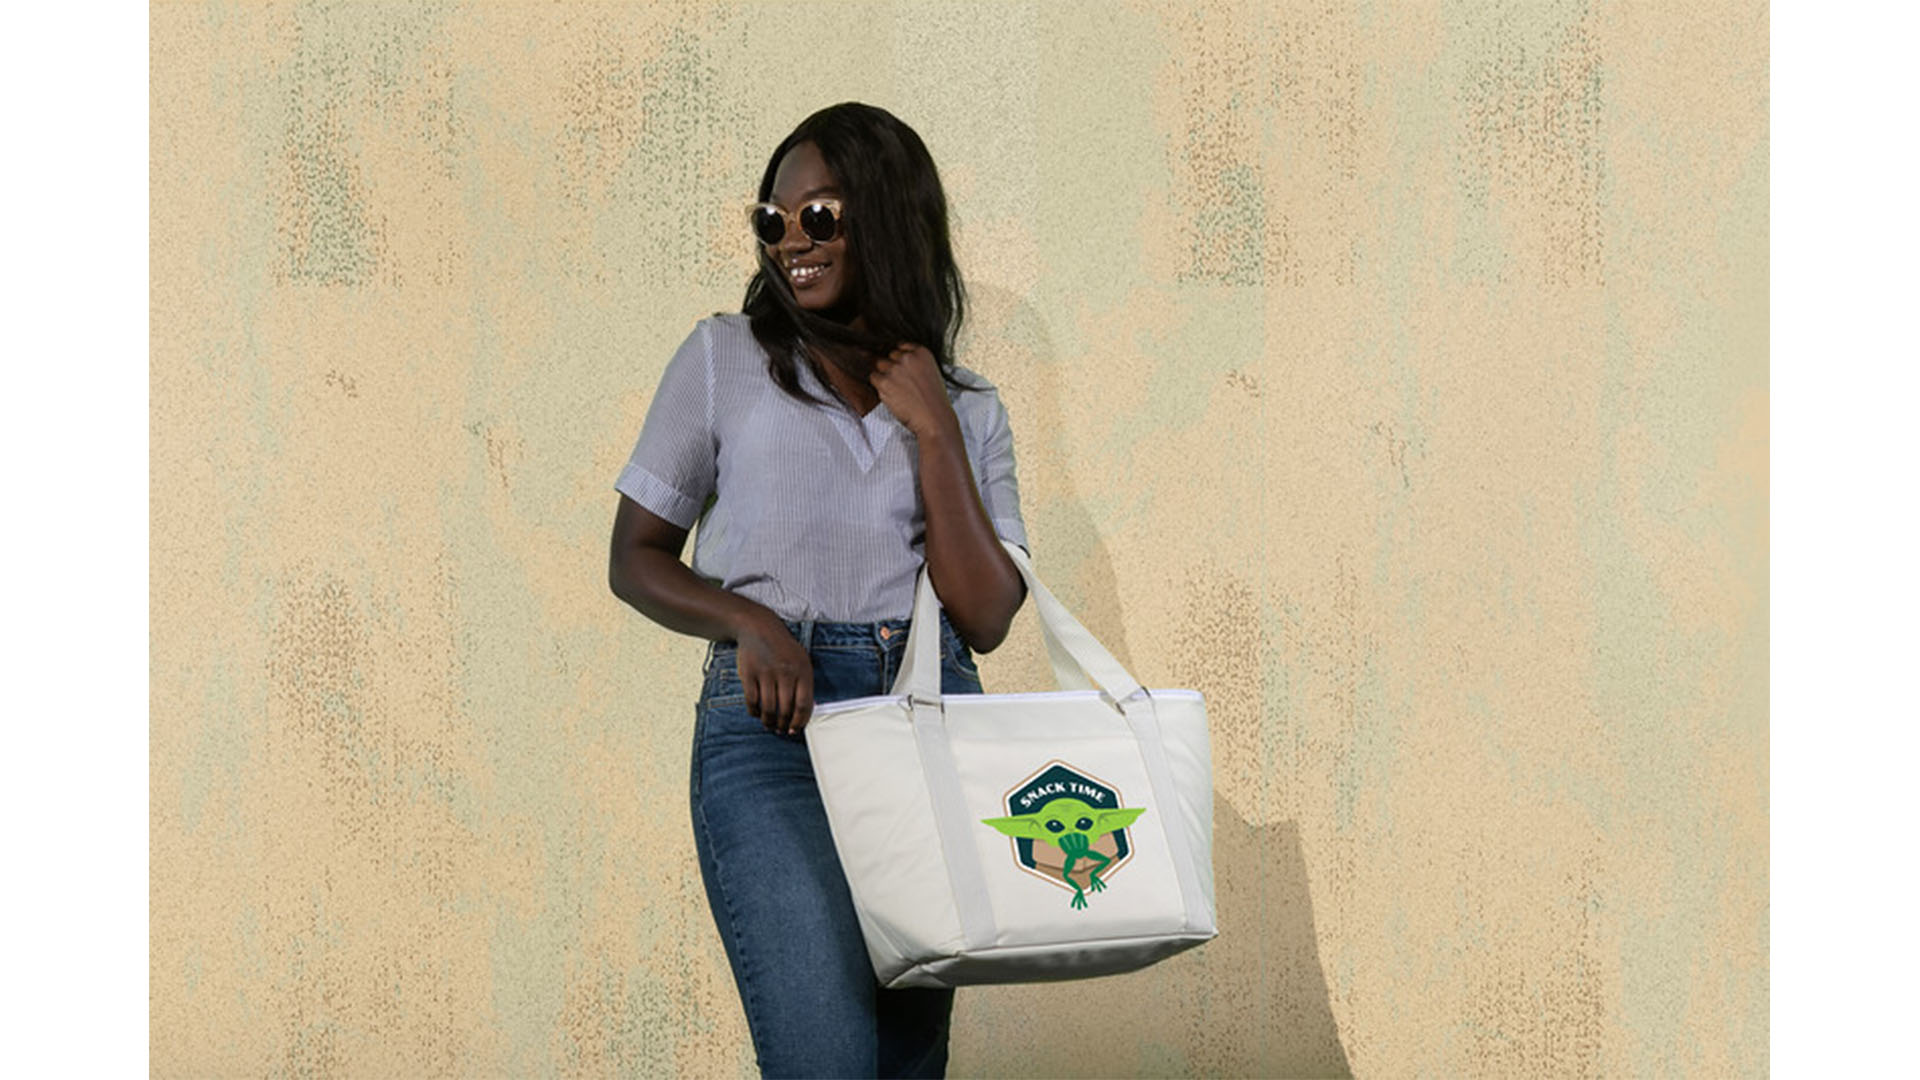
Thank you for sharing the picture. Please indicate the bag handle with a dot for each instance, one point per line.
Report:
(1079, 661)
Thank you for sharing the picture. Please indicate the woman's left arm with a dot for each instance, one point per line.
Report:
(979, 586)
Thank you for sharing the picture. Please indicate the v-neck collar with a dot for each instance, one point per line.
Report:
(865, 436)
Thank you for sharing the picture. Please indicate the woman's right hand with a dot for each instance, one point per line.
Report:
(644, 569)
(776, 675)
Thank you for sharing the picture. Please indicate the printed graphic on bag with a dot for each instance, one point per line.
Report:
(1068, 827)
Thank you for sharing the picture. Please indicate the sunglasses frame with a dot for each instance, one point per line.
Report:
(788, 220)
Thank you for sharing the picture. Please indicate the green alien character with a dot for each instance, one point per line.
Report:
(1070, 825)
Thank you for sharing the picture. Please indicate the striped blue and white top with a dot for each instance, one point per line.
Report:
(814, 513)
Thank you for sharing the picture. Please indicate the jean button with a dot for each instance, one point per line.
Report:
(886, 632)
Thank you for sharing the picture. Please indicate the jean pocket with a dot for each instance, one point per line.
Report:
(722, 682)
(955, 656)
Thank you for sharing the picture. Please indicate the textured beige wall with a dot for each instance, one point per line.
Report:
(1394, 374)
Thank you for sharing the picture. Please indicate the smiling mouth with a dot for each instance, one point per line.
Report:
(802, 276)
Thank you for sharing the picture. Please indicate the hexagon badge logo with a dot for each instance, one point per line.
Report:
(1069, 827)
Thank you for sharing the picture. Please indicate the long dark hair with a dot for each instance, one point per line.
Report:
(908, 286)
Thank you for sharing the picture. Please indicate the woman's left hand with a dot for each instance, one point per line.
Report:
(909, 381)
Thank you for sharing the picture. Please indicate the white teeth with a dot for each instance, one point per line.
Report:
(806, 273)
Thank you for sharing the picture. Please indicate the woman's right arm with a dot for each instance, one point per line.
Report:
(645, 571)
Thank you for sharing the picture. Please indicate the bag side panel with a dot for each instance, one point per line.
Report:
(868, 768)
(1183, 725)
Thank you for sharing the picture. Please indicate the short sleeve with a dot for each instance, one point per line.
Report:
(995, 474)
(671, 470)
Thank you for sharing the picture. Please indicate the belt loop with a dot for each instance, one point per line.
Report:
(803, 631)
(882, 648)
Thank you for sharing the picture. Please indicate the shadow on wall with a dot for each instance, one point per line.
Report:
(1254, 1001)
(1006, 340)
(1251, 1002)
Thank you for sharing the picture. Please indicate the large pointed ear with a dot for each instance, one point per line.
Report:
(1109, 820)
(1020, 828)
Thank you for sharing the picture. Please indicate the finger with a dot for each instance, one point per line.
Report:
(803, 703)
(769, 703)
(750, 687)
(786, 706)
(776, 708)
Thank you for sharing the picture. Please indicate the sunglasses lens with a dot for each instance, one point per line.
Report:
(818, 221)
(768, 225)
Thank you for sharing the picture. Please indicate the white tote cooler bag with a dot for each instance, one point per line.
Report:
(993, 838)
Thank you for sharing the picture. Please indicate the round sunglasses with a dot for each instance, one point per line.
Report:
(820, 219)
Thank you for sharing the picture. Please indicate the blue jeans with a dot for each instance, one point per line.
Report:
(774, 883)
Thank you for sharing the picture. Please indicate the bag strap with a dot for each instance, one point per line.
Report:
(1143, 716)
(1080, 662)
(965, 875)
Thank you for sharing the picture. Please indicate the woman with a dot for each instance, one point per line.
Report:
(828, 445)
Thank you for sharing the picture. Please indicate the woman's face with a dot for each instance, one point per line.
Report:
(801, 177)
